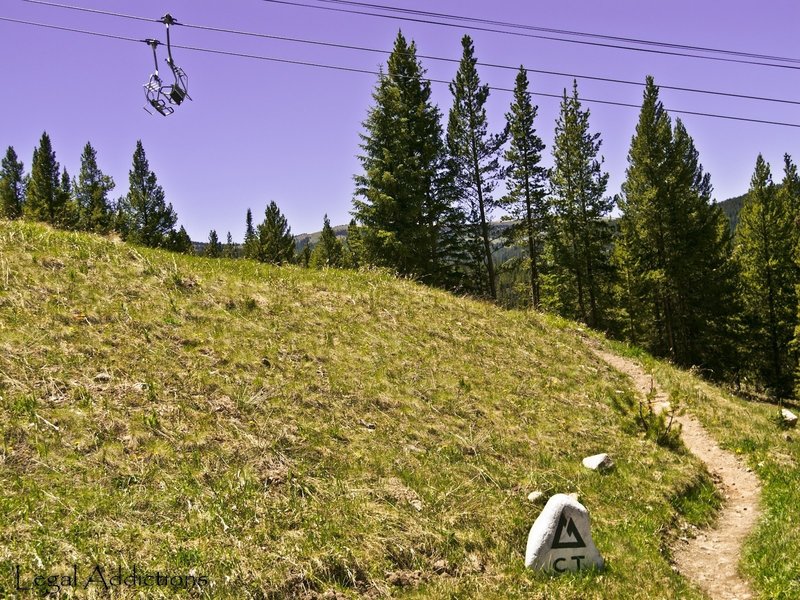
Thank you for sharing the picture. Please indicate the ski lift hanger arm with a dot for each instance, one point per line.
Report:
(168, 20)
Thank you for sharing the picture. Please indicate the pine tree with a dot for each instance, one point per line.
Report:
(12, 186)
(329, 251)
(250, 249)
(674, 248)
(404, 197)
(69, 218)
(91, 193)
(230, 250)
(305, 256)
(790, 186)
(214, 247)
(764, 250)
(275, 243)
(355, 245)
(790, 196)
(179, 241)
(42, 202)
(581, 234)
(526, 199)
(148, 218)
(475, 156)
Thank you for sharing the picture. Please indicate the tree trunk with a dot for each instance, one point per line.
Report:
(535, 297)
(487, 245)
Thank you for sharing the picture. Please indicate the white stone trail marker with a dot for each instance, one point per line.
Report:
(560, 539)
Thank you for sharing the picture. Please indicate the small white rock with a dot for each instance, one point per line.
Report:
(598, 462)
(102, 377)
(789, 418)
(534, 496)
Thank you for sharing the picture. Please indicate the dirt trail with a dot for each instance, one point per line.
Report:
(710, 559)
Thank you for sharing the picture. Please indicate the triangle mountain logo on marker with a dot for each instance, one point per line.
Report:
(567, 535)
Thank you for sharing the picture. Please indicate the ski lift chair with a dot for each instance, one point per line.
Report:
(154, 88)
(154, 92)
(178, 91)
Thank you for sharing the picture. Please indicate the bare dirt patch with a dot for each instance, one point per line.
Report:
(711, 558)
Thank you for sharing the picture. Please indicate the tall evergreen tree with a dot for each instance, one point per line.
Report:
(790, 186)
(275, 242)
(250, 248)
(526, 200)
(69, 218)
(91, 193)
(329, 251)
(404, 197)
(148, 218)
(674, 248)
(355, 245)
(12, 185)
(581, 233)
(229, 251)
(764, 250)
(475, 156)
(43, 200)
(305, 255)
(214, 246)
(790, 196)
(179, 241)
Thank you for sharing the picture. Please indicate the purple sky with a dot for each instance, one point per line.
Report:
(260, 131)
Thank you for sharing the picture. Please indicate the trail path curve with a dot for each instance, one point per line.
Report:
(710, 559)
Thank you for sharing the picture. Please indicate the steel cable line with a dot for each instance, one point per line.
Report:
(490, 22)
(96, 11)
(562, 31)
(422, 56)
(534, 36)
(70, 29)
(378, 73)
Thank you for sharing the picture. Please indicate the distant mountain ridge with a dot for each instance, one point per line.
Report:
(730, 207)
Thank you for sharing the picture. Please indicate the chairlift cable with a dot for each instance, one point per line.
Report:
(535, 36)
(96, 11)
(493, 65)
(73, 30)
(479, 20)
(371, 72)
(528, 27)
(423, 56)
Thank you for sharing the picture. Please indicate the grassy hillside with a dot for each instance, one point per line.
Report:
(295, 433)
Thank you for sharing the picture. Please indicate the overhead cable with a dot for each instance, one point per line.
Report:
(378, 73)
(421, 56)
(534, 35)
(527, 27)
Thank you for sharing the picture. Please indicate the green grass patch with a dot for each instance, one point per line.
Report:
(699, 503)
